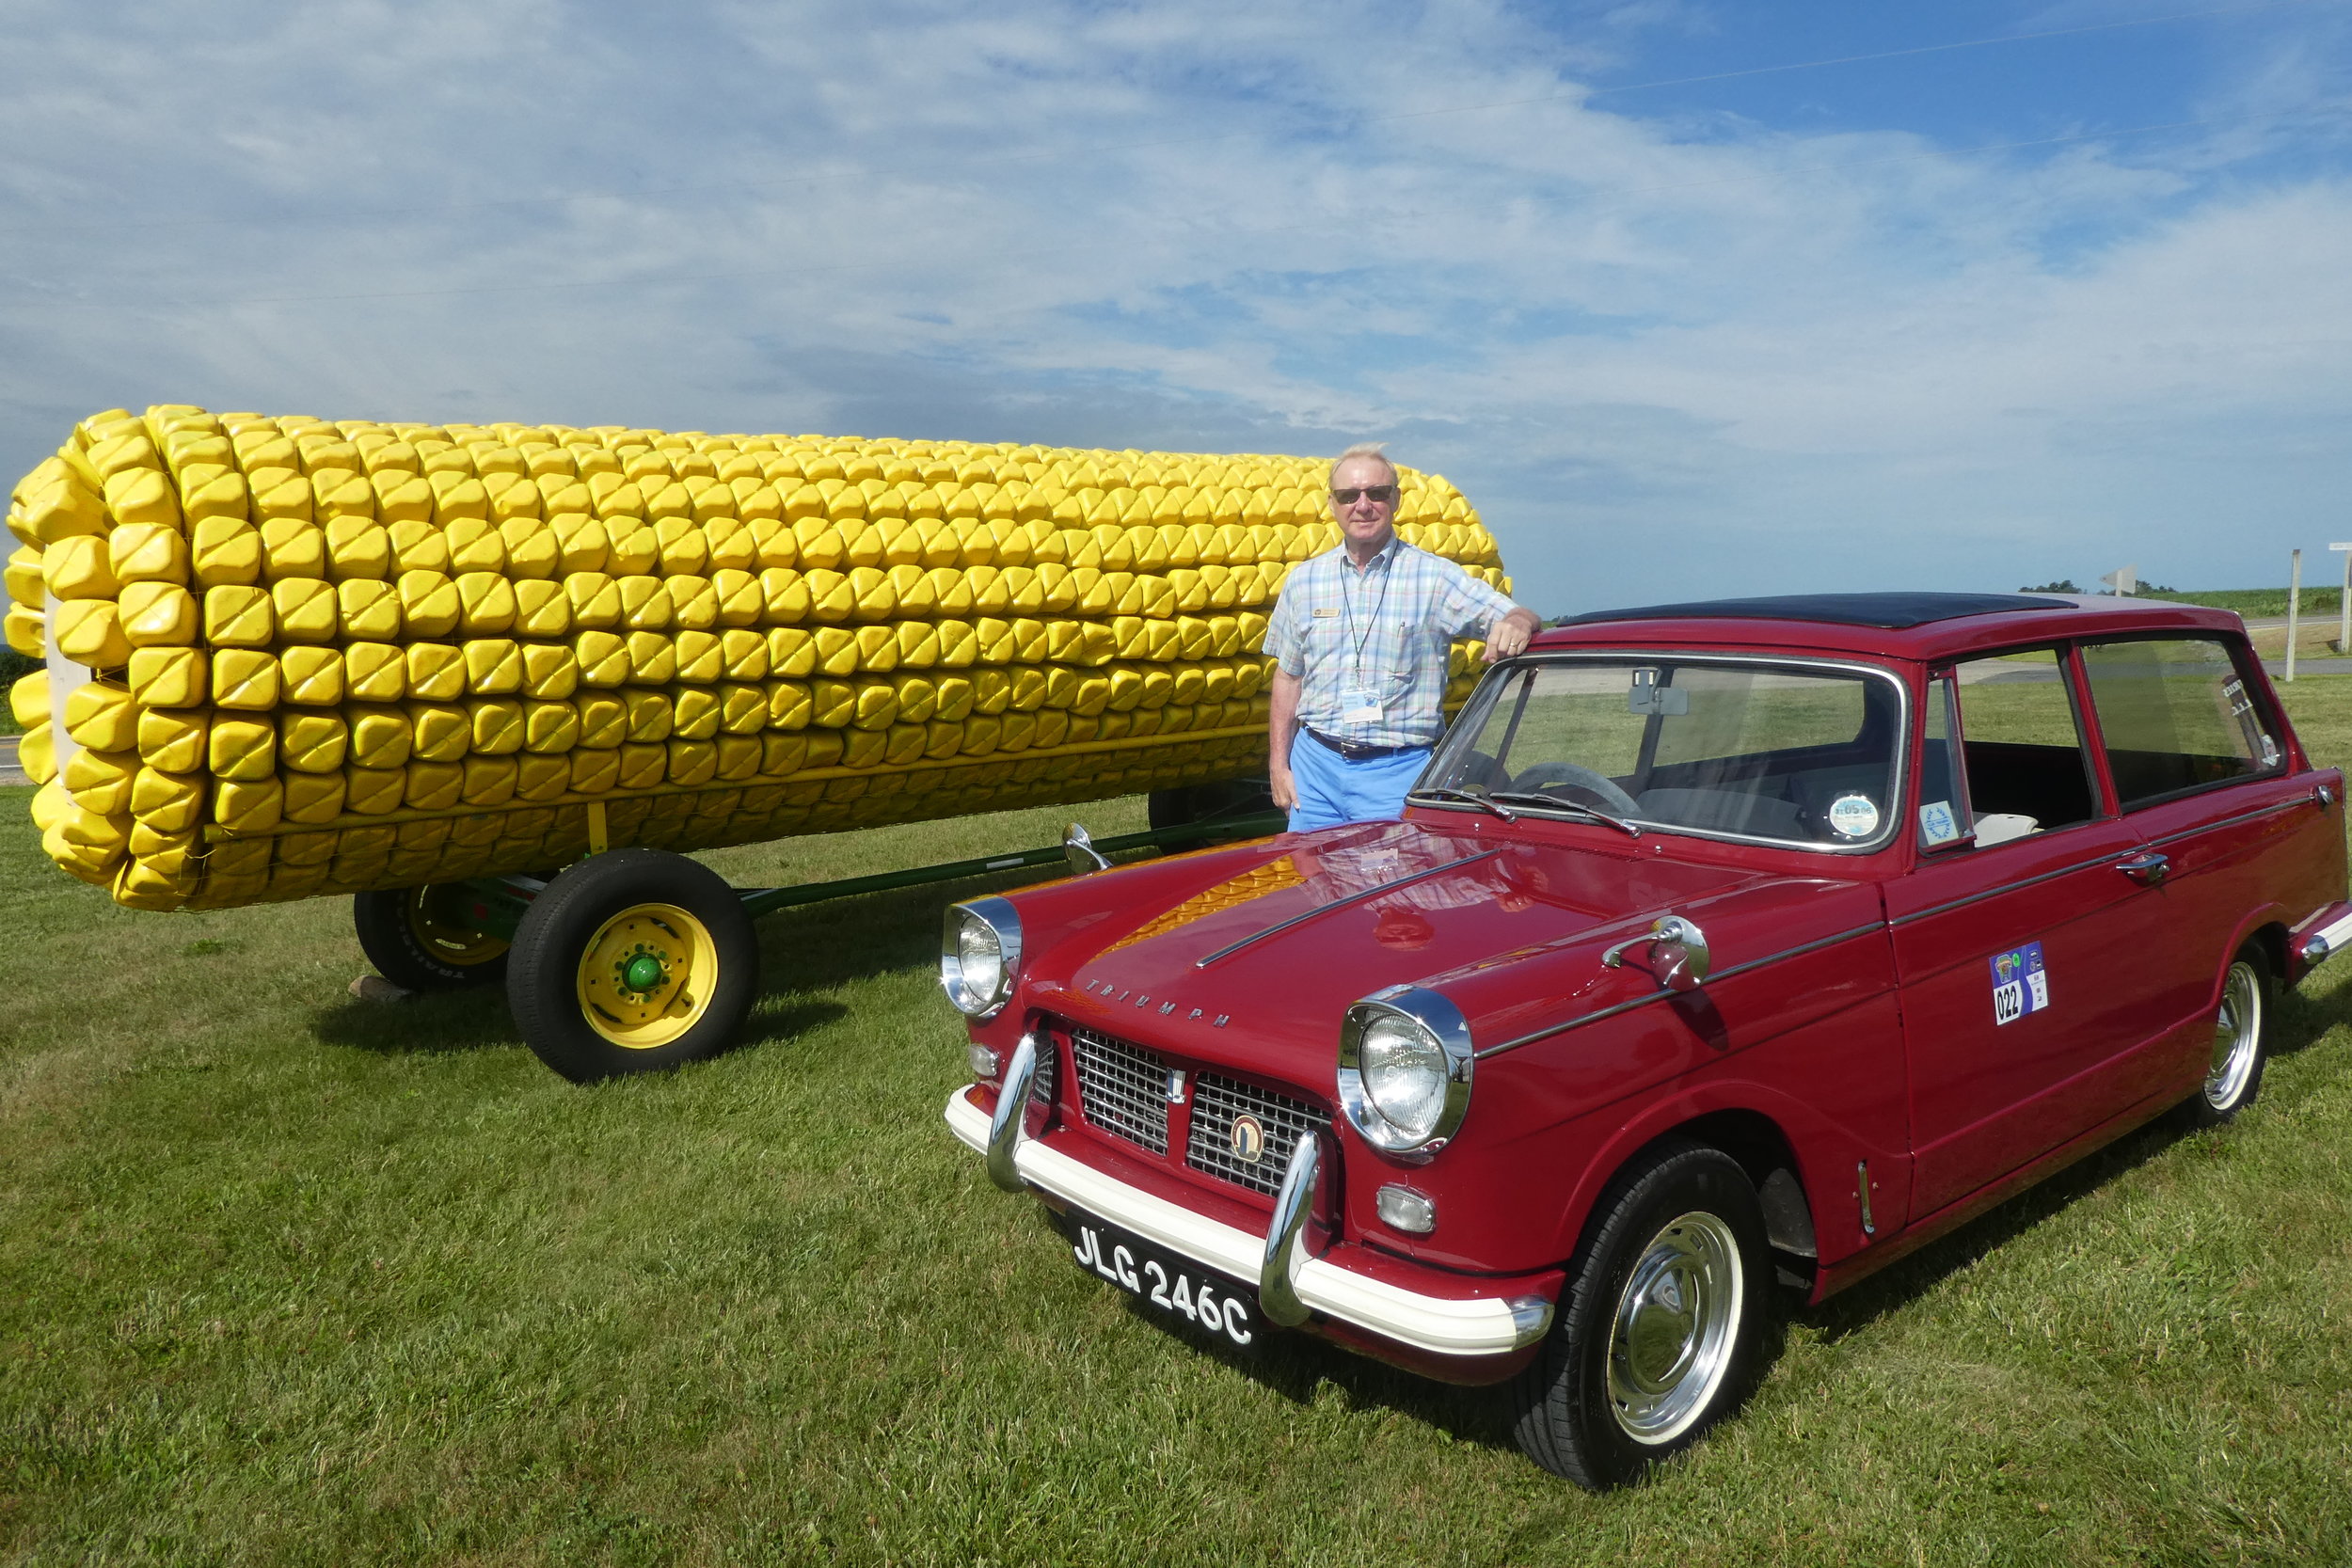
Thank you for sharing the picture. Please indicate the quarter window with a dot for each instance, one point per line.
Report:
(2175, 716)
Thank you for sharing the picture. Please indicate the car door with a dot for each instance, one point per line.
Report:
(2200, 771)
(2020, 939)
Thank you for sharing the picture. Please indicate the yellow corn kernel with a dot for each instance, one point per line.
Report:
(305, 609)
(311, 677)
(375, 672)
(101, 715)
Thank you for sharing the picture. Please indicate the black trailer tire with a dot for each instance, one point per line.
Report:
(414, 943)
(632, 961)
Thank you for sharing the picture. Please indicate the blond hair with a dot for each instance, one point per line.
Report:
(1363, 449)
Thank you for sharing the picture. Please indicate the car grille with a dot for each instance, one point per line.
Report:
(1216, 1102)
(1122, 1088)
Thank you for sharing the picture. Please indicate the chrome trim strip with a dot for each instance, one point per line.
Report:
(1550, 1029)
(2095, 861)
(2259, 812)
(2271, 810)
(1442, 1325)
(1350, 900)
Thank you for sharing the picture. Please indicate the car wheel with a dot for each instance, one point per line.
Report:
(414, 938)
(632, 961)
(1661, 1327)
(2234, 1074)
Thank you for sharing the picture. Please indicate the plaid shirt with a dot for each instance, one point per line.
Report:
(1384, 632)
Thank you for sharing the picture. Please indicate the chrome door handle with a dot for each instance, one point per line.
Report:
(2149, 870)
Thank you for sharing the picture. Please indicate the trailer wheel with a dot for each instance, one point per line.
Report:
(632, 961)
(417, 939)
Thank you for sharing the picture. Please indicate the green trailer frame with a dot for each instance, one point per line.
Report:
(633, 961)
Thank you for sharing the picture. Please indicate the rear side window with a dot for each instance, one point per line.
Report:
(2176, 716)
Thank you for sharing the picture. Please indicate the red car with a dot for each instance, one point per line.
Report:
(1725, 951)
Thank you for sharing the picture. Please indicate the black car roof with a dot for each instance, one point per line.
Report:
(1890, 611)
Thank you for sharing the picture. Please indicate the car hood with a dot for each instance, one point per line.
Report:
(1256, 963)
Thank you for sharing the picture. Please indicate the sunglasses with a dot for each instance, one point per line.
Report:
(1385, 494)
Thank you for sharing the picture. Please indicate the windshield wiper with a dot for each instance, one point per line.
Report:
(1475, 796)
(1536, 797)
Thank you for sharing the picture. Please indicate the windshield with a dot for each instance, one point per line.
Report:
(1788, 754)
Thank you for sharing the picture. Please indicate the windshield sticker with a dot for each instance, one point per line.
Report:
(1854, 815)
(1935, 822)
(2018, 985)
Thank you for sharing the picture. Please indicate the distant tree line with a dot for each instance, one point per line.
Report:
(2067, 585)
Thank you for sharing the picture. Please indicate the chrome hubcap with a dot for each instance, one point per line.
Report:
(1670, 1343)
(2237, 1030)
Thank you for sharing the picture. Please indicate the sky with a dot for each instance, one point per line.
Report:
(1690, 297)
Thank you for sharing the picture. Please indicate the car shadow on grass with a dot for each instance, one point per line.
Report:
(2298, 1021)
(1303, 1370)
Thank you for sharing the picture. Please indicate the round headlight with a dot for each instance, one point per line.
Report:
(1405, 1071)
(980, 954)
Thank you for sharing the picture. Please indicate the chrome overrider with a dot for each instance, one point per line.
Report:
(1292, 1284)
(1286, 1241)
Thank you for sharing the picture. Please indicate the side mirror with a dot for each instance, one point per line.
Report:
(1678, 956)
(1077, 848)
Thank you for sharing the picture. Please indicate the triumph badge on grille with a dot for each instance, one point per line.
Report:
(1247, 1140)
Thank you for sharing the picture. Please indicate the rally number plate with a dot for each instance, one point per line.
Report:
(1169, 1284)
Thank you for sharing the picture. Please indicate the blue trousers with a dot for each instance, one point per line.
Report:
(1333, 790)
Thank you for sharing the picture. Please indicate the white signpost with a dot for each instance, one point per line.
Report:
(2124, 581)
(2295, 609)
(2344, 602)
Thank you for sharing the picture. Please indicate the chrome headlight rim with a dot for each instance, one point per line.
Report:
(1444, 1023)
(1003, 922)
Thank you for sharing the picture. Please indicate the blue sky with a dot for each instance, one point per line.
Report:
(2011, 291)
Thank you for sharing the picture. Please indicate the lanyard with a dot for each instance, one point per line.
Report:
(1348, 603)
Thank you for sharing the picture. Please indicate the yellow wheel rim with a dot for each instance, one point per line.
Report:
(646, 976)
(436, 921)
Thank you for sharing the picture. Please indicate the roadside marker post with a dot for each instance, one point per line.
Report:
(2295, 609)
(2344, 602)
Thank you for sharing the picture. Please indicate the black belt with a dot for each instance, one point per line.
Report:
(1356, 751)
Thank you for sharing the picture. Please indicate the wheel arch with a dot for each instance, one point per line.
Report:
(1742, 1125)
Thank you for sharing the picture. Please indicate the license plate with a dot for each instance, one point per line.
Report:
(1171, 1284)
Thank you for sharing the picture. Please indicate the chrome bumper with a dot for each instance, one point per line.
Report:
(2331, 937)
(1442, 1325)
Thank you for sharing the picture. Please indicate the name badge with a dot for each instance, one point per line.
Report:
(1324, 615)
(1358, 706)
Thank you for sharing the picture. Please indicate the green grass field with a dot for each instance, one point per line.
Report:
(2253, 603)
(285, 1277)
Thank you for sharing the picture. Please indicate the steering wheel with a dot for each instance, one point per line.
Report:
(1559, 775)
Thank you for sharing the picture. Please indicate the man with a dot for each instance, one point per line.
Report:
(1358, 639)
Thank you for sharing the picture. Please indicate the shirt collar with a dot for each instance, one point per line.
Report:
(1383, 558)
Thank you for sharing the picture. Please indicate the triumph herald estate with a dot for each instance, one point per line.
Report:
(1724, 953)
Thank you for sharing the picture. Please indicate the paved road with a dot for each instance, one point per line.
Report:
(9, 772)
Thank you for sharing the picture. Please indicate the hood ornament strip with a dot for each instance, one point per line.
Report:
(1279, 929)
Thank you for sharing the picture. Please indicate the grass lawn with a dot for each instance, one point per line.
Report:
(287, 1277)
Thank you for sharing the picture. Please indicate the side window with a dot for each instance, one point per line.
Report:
(2022, 760)
(2175, 716)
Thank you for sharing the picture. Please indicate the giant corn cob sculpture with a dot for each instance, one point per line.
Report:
(287, 657)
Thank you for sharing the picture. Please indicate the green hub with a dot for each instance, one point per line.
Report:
(641, 972)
